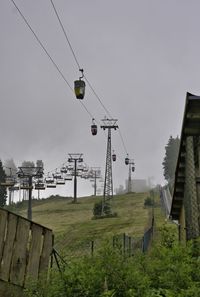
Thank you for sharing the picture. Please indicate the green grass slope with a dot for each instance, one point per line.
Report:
(74, 227)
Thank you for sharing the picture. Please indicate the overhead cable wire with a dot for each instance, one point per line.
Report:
(40, 43)
(120, 134)
(79, 67)
(47, 53)
(64, 31)
(86, 109)
(75, 57)
(54, 63)
(98, 98)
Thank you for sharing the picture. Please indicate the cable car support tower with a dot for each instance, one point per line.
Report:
(75, 158)
(108, 182)
(131, 169)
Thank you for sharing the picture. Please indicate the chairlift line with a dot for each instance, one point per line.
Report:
(41, 44)
(80, 92)
(47, 53)
(79, 84)
(64, 31)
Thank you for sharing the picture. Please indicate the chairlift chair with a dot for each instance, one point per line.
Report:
(68, 177)
(9, 182)
(15, 188)
(39, 186)
(70, 167)
(63, 170)
(25, 186)
(49, 180)
(60, 182)
(52, 185)
(57, 175)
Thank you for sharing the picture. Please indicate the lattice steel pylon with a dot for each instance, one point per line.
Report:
(108, 182)
(131, 166)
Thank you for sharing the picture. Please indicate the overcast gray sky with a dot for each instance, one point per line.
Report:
(141, 57)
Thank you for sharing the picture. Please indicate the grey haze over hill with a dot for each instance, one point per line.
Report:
(140, 56)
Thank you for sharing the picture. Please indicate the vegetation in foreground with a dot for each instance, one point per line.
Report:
(168, 270)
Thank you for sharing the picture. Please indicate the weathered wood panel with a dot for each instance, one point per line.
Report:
(10, 290)
(20, 252)
(3, 224)
(46, 251)
(35, 251)
(25, 249)
(8, 247)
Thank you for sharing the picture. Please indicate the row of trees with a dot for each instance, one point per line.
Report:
(3, 191)
(170, 159)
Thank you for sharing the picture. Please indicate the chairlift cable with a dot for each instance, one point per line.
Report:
(86, 109)
(64, 31)
(120, 134)
(98, 98)
(75, 58)
(47, 53)
(78, 64)
(56, 66)
(40, 43)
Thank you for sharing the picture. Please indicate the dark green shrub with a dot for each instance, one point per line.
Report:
(148, 202)
(101, 208)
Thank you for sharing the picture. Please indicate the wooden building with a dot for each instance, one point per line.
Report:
(186, 196)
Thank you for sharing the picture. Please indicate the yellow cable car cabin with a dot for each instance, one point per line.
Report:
(79, 89)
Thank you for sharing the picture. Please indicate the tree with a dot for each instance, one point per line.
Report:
(10, 167)
(170, 159)
(11, 172)
(97, 210)
(3, 192)
(28, 164)
(40, 163)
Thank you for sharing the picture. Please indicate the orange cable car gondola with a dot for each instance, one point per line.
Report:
(79, 87)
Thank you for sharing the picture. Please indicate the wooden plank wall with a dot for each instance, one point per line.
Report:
(25, 249)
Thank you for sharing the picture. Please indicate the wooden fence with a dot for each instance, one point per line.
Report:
(25, 249)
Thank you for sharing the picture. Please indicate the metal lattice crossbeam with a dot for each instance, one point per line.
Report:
(30, 171)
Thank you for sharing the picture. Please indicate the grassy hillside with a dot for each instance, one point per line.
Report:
(74, 228)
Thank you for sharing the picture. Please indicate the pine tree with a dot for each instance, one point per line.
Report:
(170, 159)
(3, 191)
